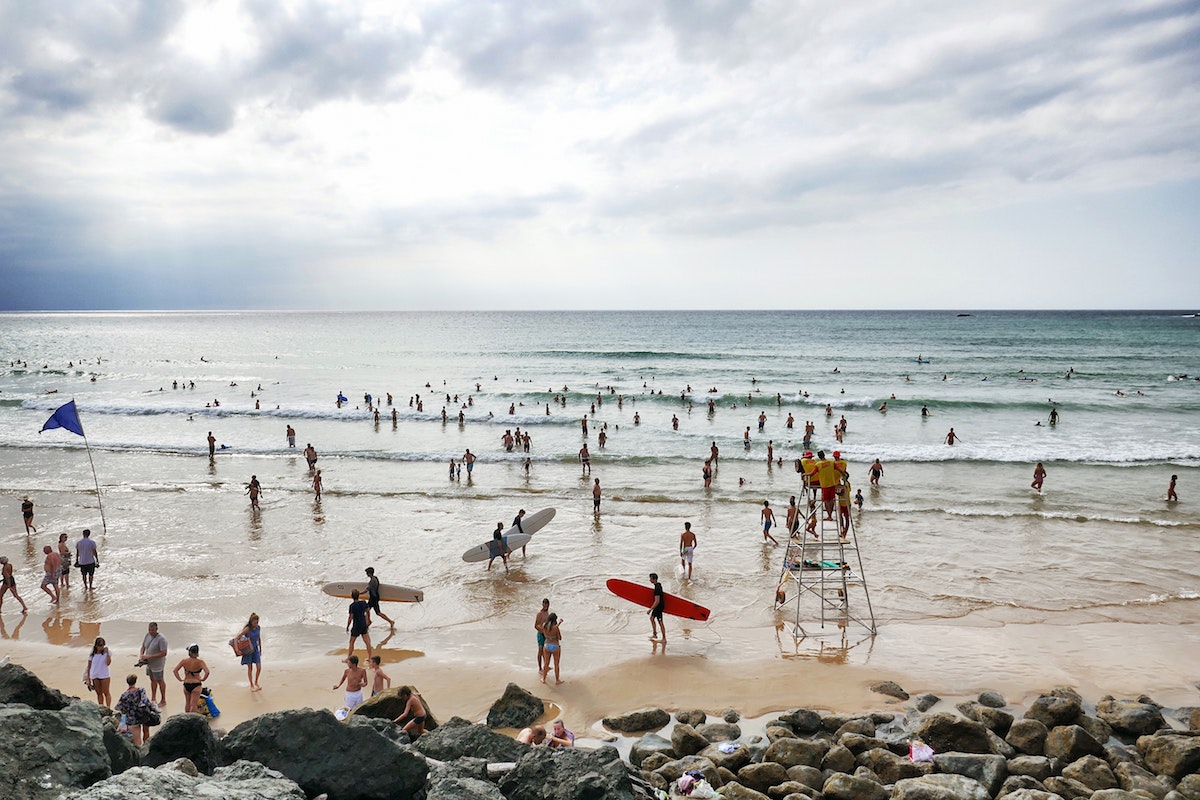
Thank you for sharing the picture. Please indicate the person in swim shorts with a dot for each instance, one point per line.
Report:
(656, 610)
(539, 623)
(768, 519)
(355, 678)
(414, 712)
(687, 548)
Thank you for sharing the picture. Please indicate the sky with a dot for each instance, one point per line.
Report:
(660, 154)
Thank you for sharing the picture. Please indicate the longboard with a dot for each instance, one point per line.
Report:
(643, 596)
(531, 524)
(387, 591)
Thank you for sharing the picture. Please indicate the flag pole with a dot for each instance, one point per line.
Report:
(66, 416)
(95, 480)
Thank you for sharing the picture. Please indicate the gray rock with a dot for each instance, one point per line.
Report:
(1068, 788)
(644, 719)
(648, 744)
(725, 776)
(736, 791)
(947, 733)
(458, 737)
(995, 719)
(1189, 786)
(1028, 736)
(734, 761)
(867, 773)
(992, 699)
(1133, 778)
(731, 716)
(122, 753)
(1031, 794)
(654, 761)
(1014, 782)
(244, 780)
(860, 725)
(802, 720)
(384, 727)
(388, 705)
(926, 701)
(1118, 753)
(889, 688)
(719, 731)
(989, 770)
(1070, 743)
(673, 770)
(1116, 794)
(847, 787)
(184, 736)
(1100, 730)
(1173, 755)
(44, 752)
(939, 787)
(809, 776)
(1034, 766)
(1131, 717)
(857, 743)
(516, 708)
(890, 767)
(693, 718)
(317, 751)
(793, 752)
(777, 732)
(1053, 710)
(685, 741)
(19, 685)
(787, 788)
(999, 746)
(1092, 772)
(838, 759)
(446, 785)
(761, 777)
(570, 774)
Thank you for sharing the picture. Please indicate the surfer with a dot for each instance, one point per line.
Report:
(539, 625)
(768, 519)
(373, 596)
(498, 547)
(687, 547)
(1054, 416)
(212, 445)
(516, 523)
(655, 611)
(358, 620)
(1039, 475)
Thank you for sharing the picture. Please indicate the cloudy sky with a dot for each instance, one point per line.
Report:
(614, 154)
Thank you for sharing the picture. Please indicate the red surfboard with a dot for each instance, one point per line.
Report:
(644, 596)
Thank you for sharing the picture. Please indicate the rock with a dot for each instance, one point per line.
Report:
(725, 776)
(992, 699)
(384, 727)
(184, 736)
(857, 743)
(1034, 766)
(846, 787)
(1194, 719)
(994, 719)
(731, 716)
(186, 766)
(388, 705)
(648, 744)
(1100, 730)
(889, 688)
(939, 787)
(736, 791)
(1014, 782)
(838, 759)
(1116, 794)
(516, 708)
(1053, 710)
(947, 733)
(783, 790)
(243, 781)
(1116, 753)
(1028, 736)
(859, 725)
(989, 770)
(1133, 778)
(1131, 717)
(1092, 772)
(570, 774)
(1031, 794)
(122, 753)
(19, 685)
(673, 770)
(693, 718)
(734, 761)
(318, 752)
(644, 719)
(1189, 786)
(890, 767)
(802, 720)
(44, 752)
(654, 761)
(447, 785)
(1067, 788)
(685, 741)
(1170, 754)
(999, 746)
(1070, 743)
(809, 776)
(457, 738)
(926, 701)
(761, 777)
(777, 732)
(720, 731)
(793, 752)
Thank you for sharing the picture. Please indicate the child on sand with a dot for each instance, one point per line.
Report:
(381, 680)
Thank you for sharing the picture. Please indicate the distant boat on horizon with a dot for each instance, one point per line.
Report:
(966, 315)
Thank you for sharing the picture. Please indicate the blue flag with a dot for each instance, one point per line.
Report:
(67, 418)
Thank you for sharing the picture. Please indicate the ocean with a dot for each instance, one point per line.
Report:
(956, 546)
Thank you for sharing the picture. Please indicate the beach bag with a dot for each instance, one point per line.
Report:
(207, 706)
(919, 751)
(149, 711)
(242, 646)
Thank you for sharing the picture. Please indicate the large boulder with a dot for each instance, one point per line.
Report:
(649, 744)
(790, 752)
(802, 720)
(244, 780)
(685, 741)
(1131, 717)
(449, 784)
(1092, 772)
(571, 774)
(1170, 754)
(184, 736)
(1070, 743)
(44, 752)
(318, 752)
(1053, 709)
(719, 731)
(841, 786)
(948, 733)
(388, 705)
(1028, 736)
(838, 759)
(809, 776)
(924, 702)
(761, 777)
(939, 787)
(1133, 778)
(991, 717)
(19, 685)
(989, 770)
(458, 737)
(644, 719)
(516, 708)
(122, 753)
(1014, 782)
(1038, 767)
(992, 699)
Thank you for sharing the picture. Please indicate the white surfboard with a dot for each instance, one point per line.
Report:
(531, 524)
(387, 591)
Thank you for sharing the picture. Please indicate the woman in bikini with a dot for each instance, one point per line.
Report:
(553, 647)
(195, 673)
(64, 550)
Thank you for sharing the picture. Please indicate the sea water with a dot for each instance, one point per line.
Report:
(953, 536)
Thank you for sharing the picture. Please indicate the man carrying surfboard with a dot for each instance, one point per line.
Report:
(373, 596)
(656, 611)
(498, 547)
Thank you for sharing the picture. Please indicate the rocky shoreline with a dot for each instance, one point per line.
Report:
(1057, 748)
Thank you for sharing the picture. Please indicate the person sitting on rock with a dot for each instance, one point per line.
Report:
(535, 734)
(559, 736)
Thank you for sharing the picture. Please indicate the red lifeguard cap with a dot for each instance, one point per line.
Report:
(837, 454)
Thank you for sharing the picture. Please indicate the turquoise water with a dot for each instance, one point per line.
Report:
(948, 536)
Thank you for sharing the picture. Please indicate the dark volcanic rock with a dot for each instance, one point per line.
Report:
(926, 701)
(802, 720)
(891, 767)
(457, 738)
(693, 718)
(19, 685)
(989, 770)
(1053, 710)
(947, 733)
(644, 719)
(720, 731)
(184, 736)
(571, 774)
(1092, 772)
(734, 761)
(44, 752)
(516, 708)
(790, 752)
(318, 752)
(992, 699)
(761, 777)
(244, 780)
